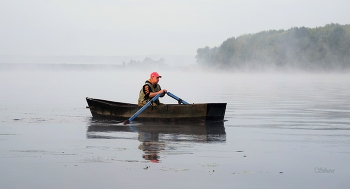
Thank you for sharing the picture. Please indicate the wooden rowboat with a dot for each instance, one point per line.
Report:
(168, 112)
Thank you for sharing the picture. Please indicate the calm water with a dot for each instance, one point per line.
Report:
(280, 131)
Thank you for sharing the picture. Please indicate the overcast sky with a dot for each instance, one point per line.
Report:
(146, 27)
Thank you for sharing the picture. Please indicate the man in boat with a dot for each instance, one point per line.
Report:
(150, 89)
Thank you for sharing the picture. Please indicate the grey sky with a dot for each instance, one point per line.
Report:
(143, 27)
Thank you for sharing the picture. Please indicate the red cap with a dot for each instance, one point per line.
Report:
(155, 74)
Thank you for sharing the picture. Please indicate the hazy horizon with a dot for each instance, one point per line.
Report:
(129, 28)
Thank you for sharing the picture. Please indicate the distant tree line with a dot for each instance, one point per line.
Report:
(147, 62)
(320, 48)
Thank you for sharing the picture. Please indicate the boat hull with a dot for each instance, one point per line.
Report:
(168, 112)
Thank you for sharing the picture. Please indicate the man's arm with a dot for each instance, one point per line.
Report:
(149, 94)
(163, 91)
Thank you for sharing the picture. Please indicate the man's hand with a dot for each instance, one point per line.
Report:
(163, 91)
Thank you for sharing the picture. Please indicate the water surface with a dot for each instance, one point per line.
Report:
(281, 130)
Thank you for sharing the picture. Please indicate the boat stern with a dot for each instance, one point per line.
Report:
(216, 111)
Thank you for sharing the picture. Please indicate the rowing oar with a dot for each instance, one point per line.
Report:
(141, 109)
(176, 98)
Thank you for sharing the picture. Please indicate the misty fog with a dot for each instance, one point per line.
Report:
(282, 67)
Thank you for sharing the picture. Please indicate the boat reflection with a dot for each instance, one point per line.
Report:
(158, 137)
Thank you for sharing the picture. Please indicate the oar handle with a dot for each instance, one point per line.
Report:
(176, 98)
(143, 108)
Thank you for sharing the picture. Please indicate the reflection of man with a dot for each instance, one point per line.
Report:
(151, 151)
(150, 145)
(150, 89)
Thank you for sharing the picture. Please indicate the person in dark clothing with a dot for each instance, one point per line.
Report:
(150, 89)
